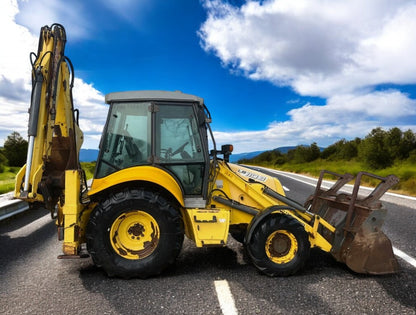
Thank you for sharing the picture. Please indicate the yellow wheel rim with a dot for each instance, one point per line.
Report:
(134, 235)
(281, 246)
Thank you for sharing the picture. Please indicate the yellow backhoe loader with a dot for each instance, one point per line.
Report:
(156, 180)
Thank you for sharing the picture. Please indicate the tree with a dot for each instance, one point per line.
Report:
(15, 149)
(304, 154)
(378, 150)
(349, 150)
(341, 150)
(330, 152)
(407, 144)
(393, 140)
(3, 161)
(280, 158)
(374, 150)
(314, 152)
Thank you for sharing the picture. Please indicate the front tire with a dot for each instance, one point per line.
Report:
(279, 246)
(134, 233)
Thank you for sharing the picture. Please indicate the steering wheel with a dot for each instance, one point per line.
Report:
(180, 149)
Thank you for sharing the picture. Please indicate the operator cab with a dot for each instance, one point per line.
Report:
(157, 128)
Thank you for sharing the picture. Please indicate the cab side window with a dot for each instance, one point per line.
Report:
(126, 141)
(178, 146)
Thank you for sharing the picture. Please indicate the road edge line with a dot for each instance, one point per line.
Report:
(404, 256)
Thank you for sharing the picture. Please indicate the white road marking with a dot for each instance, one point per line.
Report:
(297, 179)
(285, 188)
(404, 256)
(225, 297)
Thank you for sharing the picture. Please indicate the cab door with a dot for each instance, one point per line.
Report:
(181, 147)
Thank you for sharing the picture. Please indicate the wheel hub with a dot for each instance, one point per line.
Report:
(281, 246)
(136, 231)
(134, 235)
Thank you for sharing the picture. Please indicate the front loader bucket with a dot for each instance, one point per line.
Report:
(370, 252)
(358, 240)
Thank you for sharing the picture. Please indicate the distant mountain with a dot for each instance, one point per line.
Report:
(88, 155)
(250, 155)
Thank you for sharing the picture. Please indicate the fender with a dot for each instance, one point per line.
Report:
(262, 215)
(315, 239)
(139, 173)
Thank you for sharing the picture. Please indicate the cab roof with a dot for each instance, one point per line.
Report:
(176, 96)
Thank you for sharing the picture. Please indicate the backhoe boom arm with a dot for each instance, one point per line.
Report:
(54, 135)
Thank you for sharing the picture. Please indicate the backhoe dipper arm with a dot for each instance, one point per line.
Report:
(54, 135)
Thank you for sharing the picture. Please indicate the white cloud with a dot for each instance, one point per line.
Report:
(16, 45)
(34, 14)
(337, 50)
(318, 47)
(343, 116)
(92, 114)
(130, 10)
(15, 74)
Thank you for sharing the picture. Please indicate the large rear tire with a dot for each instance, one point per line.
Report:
(134, 233)
(279, 246)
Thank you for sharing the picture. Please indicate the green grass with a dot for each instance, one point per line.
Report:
(7, 177)
(89, 168)
(405, 171)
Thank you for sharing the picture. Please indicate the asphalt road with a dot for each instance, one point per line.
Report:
(34, 281)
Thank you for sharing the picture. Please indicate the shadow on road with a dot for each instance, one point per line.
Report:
(20, 245)
(192, 280)
(322, 287)
(401, 286)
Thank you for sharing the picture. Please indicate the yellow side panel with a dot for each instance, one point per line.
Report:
(233, 182)
(238, 217)
(139, 173)
(209, 226)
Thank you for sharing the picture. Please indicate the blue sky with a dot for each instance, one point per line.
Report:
(273, 73)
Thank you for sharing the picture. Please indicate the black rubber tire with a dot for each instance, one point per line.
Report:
(101, 219)
(256, 246)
